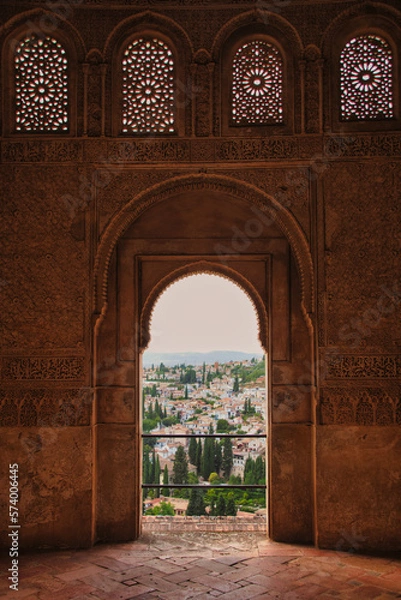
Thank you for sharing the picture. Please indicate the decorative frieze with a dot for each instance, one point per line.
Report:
(151, 150)
(363, 145)
(328, 147)
(70, 368)
(359, 407)
(45, 408)
(39, 151)
(362, 367)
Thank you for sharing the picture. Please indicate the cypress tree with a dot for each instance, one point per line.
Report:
(231, 509)
(152, 474)
(260, 471)
(212, 502)
(198, 461)
(208, 458)
(228, 460)
(249, 471)
(165, 491)
(236, 385)
(193, 445)
(157, 477)
(146, 466)
(196, 504)
(220, 506)
(218, 457)
(180, 468)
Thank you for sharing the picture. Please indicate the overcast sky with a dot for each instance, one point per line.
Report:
(202, 313)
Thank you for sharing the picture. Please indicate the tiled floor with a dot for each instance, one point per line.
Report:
(203, 566)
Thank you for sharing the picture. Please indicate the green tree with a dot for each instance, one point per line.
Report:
(152, 474)
(193, 478)
(180, 467)
(222, 426)
(146, 465)
(228, 459)
(208, 458)
(231, 509)
(249, 472)
(218, 457)
(260, 472)
(157, 476)
(148, 425)
(203, 373)
(164, 508)
(193, 445)
(189, 376)
(153, 392)
(214, 478)
(220, 506)
(165, 491)
(198, 461)
(236, 385)
(210, 500)
(196, 504)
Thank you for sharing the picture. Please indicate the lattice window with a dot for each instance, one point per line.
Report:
(366, 79)
(257, 88)
(41, 85)
(148, 87)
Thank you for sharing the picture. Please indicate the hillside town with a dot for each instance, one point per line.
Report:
(191, 400)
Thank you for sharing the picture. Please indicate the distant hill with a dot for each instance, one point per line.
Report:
(196, 358)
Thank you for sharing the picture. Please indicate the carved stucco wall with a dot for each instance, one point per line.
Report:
(58, 196)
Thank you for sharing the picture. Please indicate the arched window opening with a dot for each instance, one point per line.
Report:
(204, 407)
(257, 84)
(148, 87)
(41, 85)
(366, 79)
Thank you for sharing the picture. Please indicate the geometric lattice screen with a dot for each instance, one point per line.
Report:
(257, 84)
(148, 88)
(366, 79)
(41, 85)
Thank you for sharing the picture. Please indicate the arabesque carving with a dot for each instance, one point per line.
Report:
(317, 147)
(40, 368)
(268, 206)
(369, 407)
(45, 408)
(352, 367)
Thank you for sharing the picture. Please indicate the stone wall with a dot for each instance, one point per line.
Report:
(59, 199)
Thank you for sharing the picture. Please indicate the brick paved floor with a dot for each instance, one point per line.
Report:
(203, 566)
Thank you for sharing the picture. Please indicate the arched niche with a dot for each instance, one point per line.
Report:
(184, 226)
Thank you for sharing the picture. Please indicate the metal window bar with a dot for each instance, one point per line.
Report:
(204, 435)
(226, 486)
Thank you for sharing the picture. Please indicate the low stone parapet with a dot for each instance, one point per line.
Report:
(205, 524)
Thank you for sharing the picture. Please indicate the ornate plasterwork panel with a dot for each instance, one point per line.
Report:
(367, 406)
(362, 257)
(327, 148)
(43, 259)
(365, 367)
(45, 408)
(43, 368)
